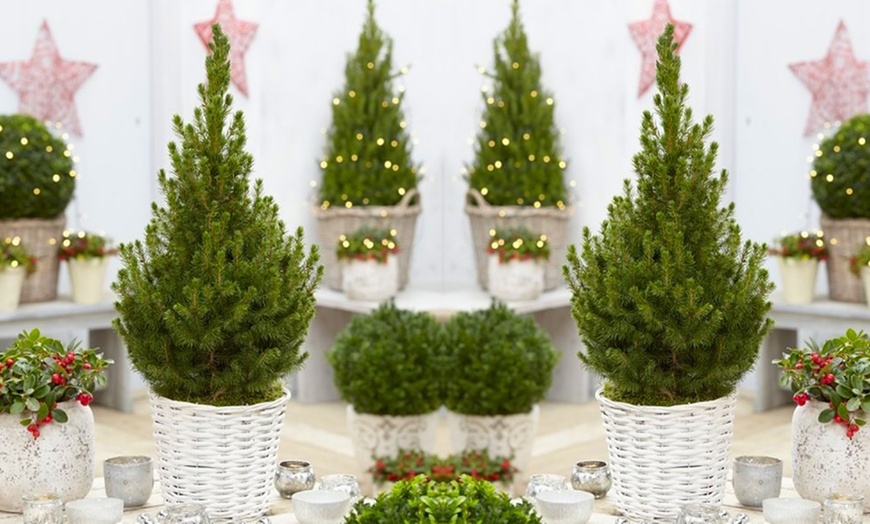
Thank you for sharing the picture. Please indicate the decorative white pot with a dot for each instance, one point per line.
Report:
(87, 277)
(223, 457)
(825, 460)
(11, 282)
(370, 279)
(665, 457)
(59, 461)
(798, 279)
(865, 277)
(384, 436)
(515, 279)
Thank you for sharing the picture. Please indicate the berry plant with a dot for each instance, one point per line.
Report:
(368, 243)
(84, 245)
(518, 243)
(475, 463)
(804, 245)
(860, 260)
(13, 254)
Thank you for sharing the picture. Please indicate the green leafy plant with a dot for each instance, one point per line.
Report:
(518, 159)
(804, 245)
(368, 243)
(407, 464)
(37, 373)
(860, 260)
(837, 373)
(37, 179)
(386, 363)
(840, 178)
(463, 501)
(13, 254)
(518, 244)
(215, 303)
(84, 245)
(496, 362)
(669, 301)
(368, 152)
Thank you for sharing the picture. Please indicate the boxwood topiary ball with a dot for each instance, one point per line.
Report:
(36, 171)
(841, 182)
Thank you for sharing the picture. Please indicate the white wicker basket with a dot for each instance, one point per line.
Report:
(663, 458)
(221, 457)
(844, 237)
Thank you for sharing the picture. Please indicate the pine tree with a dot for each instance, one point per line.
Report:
(215, 303)
(368, 154)
(669, 301)
(518, 159)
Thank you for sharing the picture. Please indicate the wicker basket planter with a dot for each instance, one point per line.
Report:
(384, 436)
(334, 222)
(844, 237)
(40, 237)
(549, 221)
(663, 458)
(221, 457)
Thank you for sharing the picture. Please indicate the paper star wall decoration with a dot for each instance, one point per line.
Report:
(46, 83)
(646, 34)
(238, 32)
(838, 82)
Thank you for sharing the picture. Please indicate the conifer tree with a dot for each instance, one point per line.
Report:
(669, 301)
(368, 152)
(215, 303)
(518, 159)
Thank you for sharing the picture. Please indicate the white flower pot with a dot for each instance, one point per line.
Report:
(824, 460)
(865, 277)
(59, 461)
(798, 279)
(11, 282)
(384, 436)
(87, 277)
(515, 279)
(370, 279)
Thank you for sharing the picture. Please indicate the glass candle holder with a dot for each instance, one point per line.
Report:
(843, 509)
(341, 482)
(42, 509)
(544, 482)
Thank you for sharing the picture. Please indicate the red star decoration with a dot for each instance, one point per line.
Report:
(238, 32)
(646, 34)
(838, 82)
(47, 83)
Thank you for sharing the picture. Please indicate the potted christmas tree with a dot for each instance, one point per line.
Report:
(517, 177)
(672, 307)
(214, 305)
(369, 177)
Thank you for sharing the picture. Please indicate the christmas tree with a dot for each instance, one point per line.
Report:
(671, 304)
(368, 153)
(518, 160)
(215, 303)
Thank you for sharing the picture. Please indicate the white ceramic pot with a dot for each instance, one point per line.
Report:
(370, 279)
(798, 279)
(824, 460)
(11, 282)
(515, 279)
(59, 461)
(865, 277)
(87, 277)
(384, 436)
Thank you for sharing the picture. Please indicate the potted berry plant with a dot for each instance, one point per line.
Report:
(798, 256)
(517, 260)
(16, 264)
(86, 254)
(407, 464)
(370, 264)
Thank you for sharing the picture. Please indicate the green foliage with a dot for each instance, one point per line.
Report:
(367, 243)
(410, 463)
(841, 174)
(386, 363)
(215, 303)
(518, 243)
(518, 159)
(368, 151)
(803, 245)
(84, 245)
(467, 501)
(671, 304)
(14, 254)
(28, 187)
(497, 362)
(860, 260)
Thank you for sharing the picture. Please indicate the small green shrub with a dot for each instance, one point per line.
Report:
(496, 362)
(386, 363)
(841, 175)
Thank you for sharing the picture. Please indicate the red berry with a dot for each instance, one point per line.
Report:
(837, 418)
(86, 366)
(854, 428)
(47, 418)
(799, 365)
(85, 399)
(9, 362)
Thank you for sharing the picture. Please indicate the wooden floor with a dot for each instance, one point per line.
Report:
(567, 433)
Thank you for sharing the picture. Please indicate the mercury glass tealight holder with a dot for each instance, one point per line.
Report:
(293, 476)
(42, 509)
(843, 509)
(592, 476)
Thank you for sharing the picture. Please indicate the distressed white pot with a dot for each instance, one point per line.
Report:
(798, 279)
(824, 460)
(865, 277)
(509, 436)
(384, 436)
(11, 282)
(515, 279)
(59, 461)
(87, 277)
(370, 279)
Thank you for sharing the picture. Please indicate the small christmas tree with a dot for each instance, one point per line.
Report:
(671, 304)
(518, 160)
(368, 154)
(215, 303)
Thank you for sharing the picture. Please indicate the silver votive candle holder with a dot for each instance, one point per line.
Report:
(129, 478)
(592, 476)
(843, 509)
(756, 478)
(293, 476)
(42, 509)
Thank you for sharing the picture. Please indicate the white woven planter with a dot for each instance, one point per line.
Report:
(86, 277)
(370, 279)
(510, 436)
(663, 458)
(515, 279)
(11, 282)
(384, 436)
(798, 279)
(221, 457)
